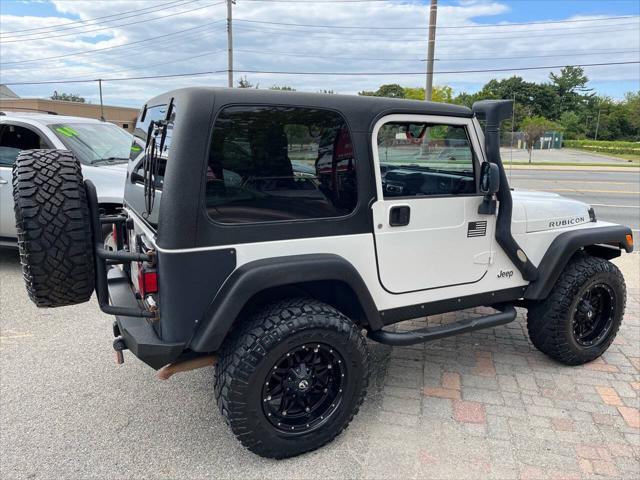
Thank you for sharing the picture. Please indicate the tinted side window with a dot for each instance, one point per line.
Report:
(419, 159)
(13, 139)
(279, 163)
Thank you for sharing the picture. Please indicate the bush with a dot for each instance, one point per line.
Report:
(604, 146)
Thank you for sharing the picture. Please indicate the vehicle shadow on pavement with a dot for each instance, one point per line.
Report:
(478, 405)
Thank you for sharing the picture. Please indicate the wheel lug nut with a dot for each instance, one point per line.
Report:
(307, 409)
(284, 413)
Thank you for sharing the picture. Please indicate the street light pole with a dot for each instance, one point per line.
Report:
(229, 43)
(433, 14)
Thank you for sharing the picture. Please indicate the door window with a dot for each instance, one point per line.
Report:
(271, 163)
(13, 139)
(422, 159)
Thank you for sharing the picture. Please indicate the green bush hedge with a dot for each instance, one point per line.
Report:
(604, 146)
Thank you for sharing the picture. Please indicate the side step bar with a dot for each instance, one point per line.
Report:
(507, 314)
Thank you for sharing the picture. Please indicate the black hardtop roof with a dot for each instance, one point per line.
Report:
(350, 105)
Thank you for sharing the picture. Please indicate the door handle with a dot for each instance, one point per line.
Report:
(399, 216)
(3, 181)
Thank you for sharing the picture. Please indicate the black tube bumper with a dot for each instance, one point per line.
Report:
(138, 333)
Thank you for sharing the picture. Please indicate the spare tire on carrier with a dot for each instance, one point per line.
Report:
(54, 228)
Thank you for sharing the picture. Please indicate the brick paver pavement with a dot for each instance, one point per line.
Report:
(489, 405)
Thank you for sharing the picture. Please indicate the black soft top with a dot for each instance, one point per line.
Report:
(361, 111)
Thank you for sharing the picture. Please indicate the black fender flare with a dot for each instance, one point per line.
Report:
(256, 276)
(565, 245)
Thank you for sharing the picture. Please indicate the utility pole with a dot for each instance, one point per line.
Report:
(230, 43)
(597, 123)
(433, 14)
(101, 105)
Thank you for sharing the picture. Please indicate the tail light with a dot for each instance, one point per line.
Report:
(147, 280)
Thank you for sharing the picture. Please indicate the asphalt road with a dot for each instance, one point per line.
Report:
(615, 196)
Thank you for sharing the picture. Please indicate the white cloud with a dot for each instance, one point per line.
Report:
(315, 49)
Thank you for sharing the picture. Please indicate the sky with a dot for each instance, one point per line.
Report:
(61, 40)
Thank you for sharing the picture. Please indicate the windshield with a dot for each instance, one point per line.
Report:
(95, 143)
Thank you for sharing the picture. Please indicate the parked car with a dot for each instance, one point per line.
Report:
(225, 254)
(102, 149)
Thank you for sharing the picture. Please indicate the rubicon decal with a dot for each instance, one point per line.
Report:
(565, 222)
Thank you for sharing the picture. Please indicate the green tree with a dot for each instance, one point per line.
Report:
(67, 97)
(571, 88)
(283, 88)
(245, 83)
(534, 128)
(438, 94)
(571, 80)
(572, 125)
(391, 90)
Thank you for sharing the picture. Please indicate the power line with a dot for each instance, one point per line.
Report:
(360, 27)
(159, 64)
(276, 72)
(439, 58)
(514, 69)
(113, 47)
(55, 28)
(139, 52)
(459, 38)
(113, 26)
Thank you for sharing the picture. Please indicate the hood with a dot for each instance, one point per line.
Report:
(117, 167)
(548, 211)
(109, 181)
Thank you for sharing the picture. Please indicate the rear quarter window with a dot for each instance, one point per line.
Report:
(276, 163)
(149, 153)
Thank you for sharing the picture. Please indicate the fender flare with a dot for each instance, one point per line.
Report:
(254, 277)
(565, 245)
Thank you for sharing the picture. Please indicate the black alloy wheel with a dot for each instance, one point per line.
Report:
(304, 388)
(594, 314)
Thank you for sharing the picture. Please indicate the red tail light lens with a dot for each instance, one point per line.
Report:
(147, 281)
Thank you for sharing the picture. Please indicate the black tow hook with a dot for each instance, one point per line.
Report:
(119, 346)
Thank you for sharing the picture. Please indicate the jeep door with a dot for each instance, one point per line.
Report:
(428, 232)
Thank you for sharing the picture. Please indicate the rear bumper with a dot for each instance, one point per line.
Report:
(116, 297)
(137, 332)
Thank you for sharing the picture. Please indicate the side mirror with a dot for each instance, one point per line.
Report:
(489, 178)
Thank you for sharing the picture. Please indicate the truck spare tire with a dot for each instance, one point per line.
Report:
(54, 228)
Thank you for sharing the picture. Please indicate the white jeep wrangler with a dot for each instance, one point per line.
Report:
(269, 230)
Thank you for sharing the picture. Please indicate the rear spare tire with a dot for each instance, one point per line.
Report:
(54, 228)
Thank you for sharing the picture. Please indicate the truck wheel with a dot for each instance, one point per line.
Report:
(54, 228)
(581, 316)
(292, 377)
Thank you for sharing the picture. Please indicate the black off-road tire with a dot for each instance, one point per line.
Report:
(253, 350)
(54, 228)
(550, 322)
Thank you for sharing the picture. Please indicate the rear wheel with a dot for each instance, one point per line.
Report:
(292, 378)
(54, 229)
(581, 317)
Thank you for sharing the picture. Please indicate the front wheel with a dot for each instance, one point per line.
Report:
(581, 316)
(292, 378)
